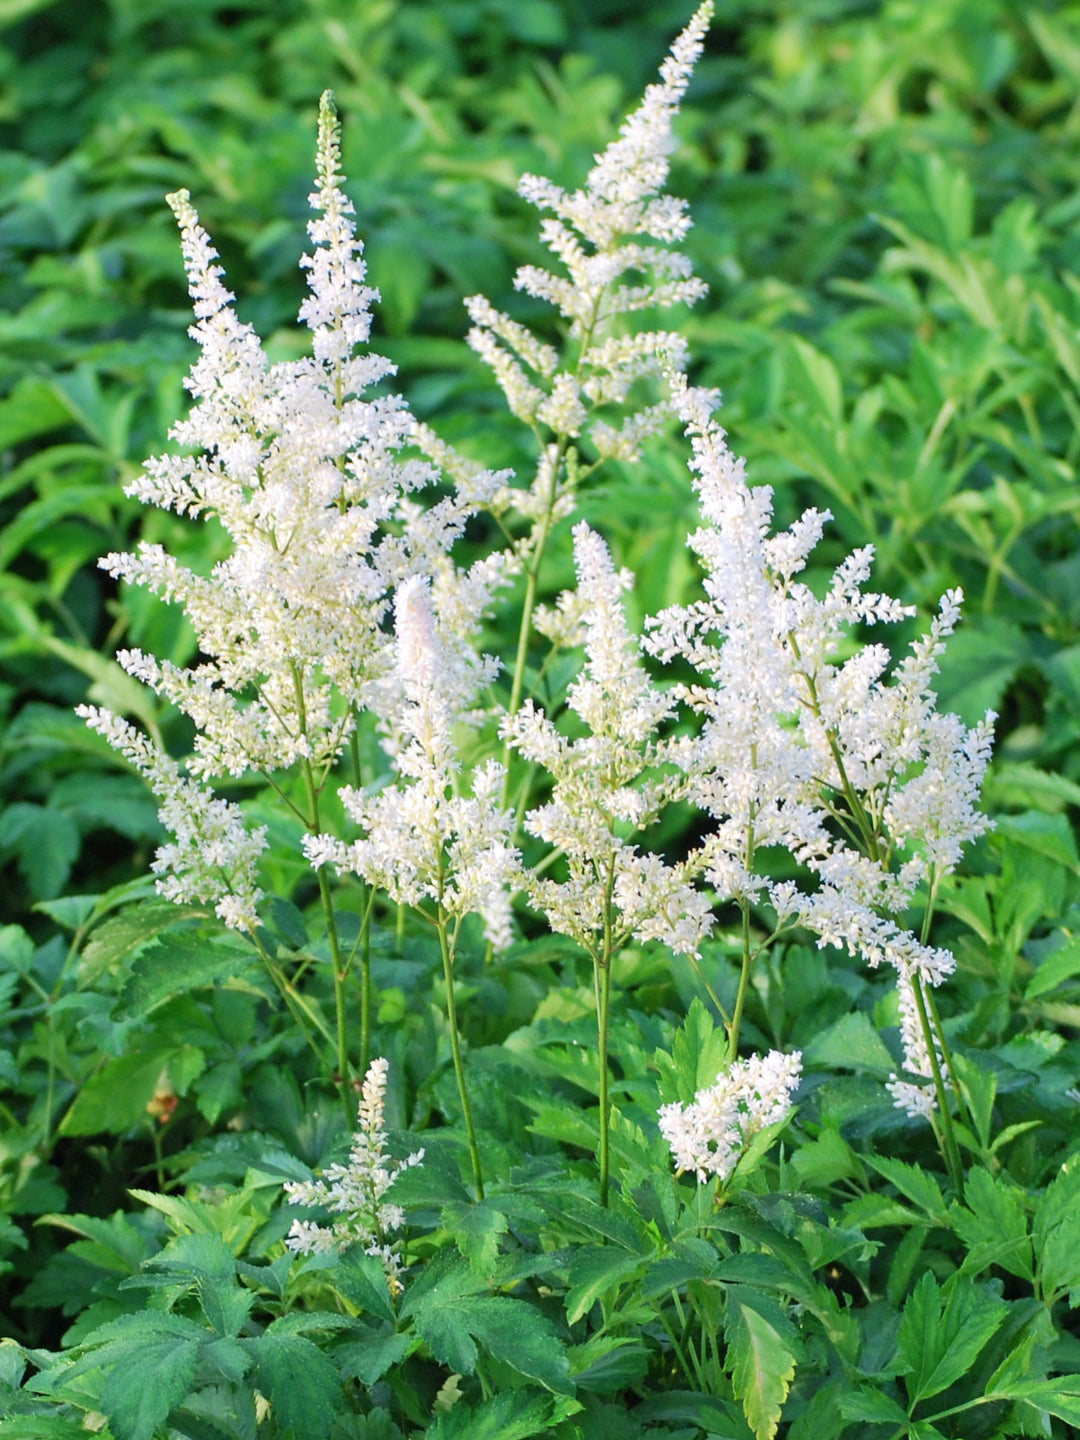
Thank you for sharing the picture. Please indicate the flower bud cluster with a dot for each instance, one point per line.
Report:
(710, 1135)
(355, 1191)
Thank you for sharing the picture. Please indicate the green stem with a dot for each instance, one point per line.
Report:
(602, 986)
(532, 579)
(365, 983)
(946, 1049)
(744, 985)
(692, 1372)
(455, 1048)
(292, 1002)
(344, 1073)
(951, 1148)
(603, 1005)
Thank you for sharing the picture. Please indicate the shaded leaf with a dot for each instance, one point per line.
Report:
(301, 1384)
(760, 1359)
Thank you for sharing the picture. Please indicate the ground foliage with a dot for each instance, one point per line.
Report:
(885, 206)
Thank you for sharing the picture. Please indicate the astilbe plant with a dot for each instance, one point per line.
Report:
(853, 772)
(308, 481)
(859, 778)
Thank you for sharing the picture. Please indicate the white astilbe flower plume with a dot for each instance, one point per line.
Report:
(355, 1191)
(849, 769)
(212, 856)
(710, 1135)
(614, 246)
(424, 839)
(612, 780)
(306, 479)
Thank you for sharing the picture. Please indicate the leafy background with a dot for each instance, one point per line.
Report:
(885, 199)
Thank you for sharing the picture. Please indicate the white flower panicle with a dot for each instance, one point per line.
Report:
(615, 777)
(303, 475)
(710, 1135)
(423, 838)
(917, 1100)
(611, 241)
(306, 478)
(355, 1191)
(849, 769)
(213, 857)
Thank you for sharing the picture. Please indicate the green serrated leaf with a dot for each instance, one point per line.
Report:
(699, 1051)
(113, 1243)
(1014, 1368)
(43, 1427)
(1056, 1233)
(362, 1281)
(914, 1183)
(514, 1415)
(760, 1360)
(175, 964)
(149, 1361)
(45, 844)
(511, 1330)
(596, 1270)
(942, 1332)
(1061, 965)
(476, 1229)
(1049, 836)
(119, 935)
(369, 1359)
(303, 1387)
(852, 1043)
(993, 1224)
(872, 1406)
(1060, 1397)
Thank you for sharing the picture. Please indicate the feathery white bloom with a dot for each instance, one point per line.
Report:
(709, 1135)
(423, 838)
(306, 479)
(596, 237)
(212, 857)
(354, 1191)
(616, 775)
(840, 763)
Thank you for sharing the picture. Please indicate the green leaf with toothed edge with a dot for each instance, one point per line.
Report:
(302, 1385)
(942, 1330)
(761, 1357)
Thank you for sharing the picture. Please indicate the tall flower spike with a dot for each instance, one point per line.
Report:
(423, 839)
(302, 474)
(613, 778)
(849, 769)
(612, 242)
(305, 477)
